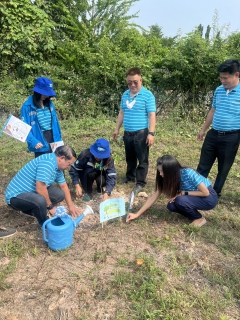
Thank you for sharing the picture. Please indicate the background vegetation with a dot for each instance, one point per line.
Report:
(86, 46)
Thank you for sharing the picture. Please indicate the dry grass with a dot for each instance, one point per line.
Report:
(186, 273)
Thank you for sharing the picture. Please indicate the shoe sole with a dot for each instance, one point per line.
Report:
(7, 236)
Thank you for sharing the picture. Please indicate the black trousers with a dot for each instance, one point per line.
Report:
(136, 150)
(48, 135)
(222, 147)
(32, 203)
(99, 176)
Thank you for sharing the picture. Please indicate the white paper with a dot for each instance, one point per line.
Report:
(16, 128)
(55, 145)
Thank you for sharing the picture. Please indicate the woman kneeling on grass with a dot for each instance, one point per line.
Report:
(187, 189)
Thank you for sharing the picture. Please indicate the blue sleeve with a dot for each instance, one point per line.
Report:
(194, 177)
(78, 166)
(151, 103)
(60, 179)
(55, 121)
(44, 172)
(214, 99)
(111, 176)
(121, 105)
(74, 175)
(31, 140)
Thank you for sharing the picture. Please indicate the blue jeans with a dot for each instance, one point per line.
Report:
(188, 206)
(35, 204)
(136, 149)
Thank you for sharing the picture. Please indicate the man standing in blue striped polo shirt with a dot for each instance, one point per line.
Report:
(222, 141)
(31, 190)
(138, 116)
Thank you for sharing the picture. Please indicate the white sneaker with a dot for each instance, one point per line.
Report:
(199, 222)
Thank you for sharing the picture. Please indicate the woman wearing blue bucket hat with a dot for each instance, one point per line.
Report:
(40, 113)
(93, 164)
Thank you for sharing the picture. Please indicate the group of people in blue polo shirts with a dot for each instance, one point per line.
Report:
(31, 190)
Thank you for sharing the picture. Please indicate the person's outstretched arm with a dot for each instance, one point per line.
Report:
(150, 201)
(74, 211)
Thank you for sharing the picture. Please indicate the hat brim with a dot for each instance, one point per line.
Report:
(100, 155)
(49, 92)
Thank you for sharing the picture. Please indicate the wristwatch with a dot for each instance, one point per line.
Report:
(151, 133)
(50, 206)
(107, 192)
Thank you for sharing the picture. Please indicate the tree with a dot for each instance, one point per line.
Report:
(25, 37)
(207, 33)
(233, 45)
(190, 70)
(156, 32)
(200, 30)
(91, 19)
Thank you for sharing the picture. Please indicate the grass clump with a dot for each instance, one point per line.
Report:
(186, 273)
(11, 249)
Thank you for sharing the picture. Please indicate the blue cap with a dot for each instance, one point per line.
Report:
(44, 86)
(100, 149)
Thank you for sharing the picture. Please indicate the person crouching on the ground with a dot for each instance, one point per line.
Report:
(93, 164)
(31, 190)
(40, 113)
(187, 189)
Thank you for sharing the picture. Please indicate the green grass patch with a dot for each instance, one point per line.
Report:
(187, 273)
(12, 249)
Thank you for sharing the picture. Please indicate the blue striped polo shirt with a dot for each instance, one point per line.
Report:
(227, 104)
(44, 118)
(43, 168)
(190, 180)
(136, 109)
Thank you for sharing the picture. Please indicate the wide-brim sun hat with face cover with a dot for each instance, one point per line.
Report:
(100, 149)
(44, 86)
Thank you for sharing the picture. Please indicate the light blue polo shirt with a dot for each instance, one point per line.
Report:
(136, 109)
(227, 105)
(43, 168)
(190, 180)
(44, 118)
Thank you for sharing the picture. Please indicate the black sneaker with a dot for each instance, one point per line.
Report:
(5, 233)
(137, 189)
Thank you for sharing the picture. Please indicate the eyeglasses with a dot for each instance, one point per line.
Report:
(135, 83)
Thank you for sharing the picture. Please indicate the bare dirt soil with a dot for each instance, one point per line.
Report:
(74, 283)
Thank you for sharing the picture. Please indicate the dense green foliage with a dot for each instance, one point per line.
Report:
(86, 46)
